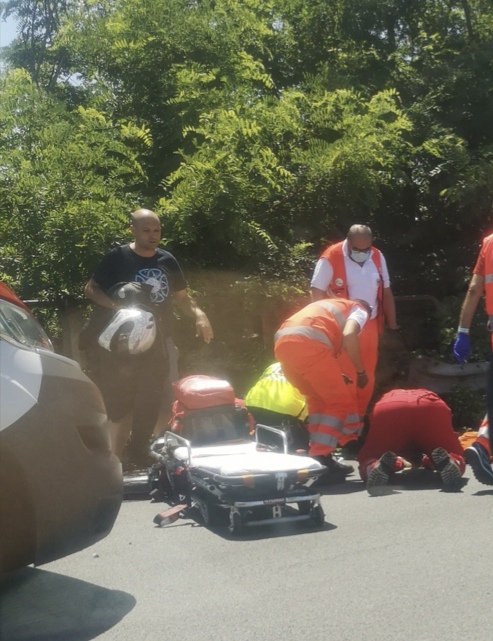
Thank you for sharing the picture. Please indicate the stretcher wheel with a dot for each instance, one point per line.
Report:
(208, 513)
(235, 523)
(318, 515)
(304, 507)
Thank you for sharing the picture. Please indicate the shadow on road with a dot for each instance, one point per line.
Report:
(37, 605)
(255, 531)
(483, 493)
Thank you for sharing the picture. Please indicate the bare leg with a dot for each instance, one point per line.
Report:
(119, 432)
(165, 412)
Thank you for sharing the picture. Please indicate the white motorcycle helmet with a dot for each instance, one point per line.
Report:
(130, 331)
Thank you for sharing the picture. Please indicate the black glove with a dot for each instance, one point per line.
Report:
(361, 379)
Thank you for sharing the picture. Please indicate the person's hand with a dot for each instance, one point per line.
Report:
(361, 379)
(462, 348)
(346, 379)
(204, 329)
(392, 330)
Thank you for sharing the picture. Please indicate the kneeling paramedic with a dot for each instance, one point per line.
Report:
(410, 427)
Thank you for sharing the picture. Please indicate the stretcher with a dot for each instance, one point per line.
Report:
(248, 481)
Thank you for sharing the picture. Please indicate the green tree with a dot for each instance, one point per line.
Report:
(67, 181)
(265, 170)
(297, 119)
(39, 22)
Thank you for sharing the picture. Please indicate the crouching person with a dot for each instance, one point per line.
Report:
(309, 346)
(410, 425)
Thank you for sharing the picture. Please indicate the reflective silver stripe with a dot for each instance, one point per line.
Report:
(325, 419)
(335, 311)
(352, 418)
(352, 430)
(324, 439)
(488, 278)
(307, 332)
(490, 318)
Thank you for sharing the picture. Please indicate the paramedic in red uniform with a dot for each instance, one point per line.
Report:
(354, 269)
(309, 345)
(413, 425)
(477, 455)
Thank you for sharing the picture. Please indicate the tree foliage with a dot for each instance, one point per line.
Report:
(259, 129)
(67, 179)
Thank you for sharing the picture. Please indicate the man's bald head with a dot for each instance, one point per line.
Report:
(146, 230)
(141, 214)
(359, 230)
(359, 240)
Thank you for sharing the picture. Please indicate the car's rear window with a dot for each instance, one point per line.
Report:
(18, 325)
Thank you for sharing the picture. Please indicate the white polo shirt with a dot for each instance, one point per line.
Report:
(362, 280)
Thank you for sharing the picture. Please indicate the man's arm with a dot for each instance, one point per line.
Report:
(317, 294)
(94, 292)
(388, 305)
(471, 300)
(321, 279)
(189, 307)
(351, 345)
(462, 343)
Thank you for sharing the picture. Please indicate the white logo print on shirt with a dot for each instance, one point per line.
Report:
(158, 280)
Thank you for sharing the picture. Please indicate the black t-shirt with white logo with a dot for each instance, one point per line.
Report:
(160, 275)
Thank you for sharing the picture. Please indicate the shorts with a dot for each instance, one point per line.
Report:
(130, 382)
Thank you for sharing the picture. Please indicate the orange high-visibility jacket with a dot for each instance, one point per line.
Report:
(323, 321)
(488, 276)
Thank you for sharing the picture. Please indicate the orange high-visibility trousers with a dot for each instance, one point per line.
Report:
(312, 368)
(368, 346)
(484, 435)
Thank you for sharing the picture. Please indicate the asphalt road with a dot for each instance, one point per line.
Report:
(414, 565)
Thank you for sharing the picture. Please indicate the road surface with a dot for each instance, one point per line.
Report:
(414, 565)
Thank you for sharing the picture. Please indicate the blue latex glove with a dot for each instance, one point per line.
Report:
(462, 347)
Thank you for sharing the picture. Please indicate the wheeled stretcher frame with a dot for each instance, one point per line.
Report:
(191, 478)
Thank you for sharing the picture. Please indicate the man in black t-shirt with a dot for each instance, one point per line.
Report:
(133, 386)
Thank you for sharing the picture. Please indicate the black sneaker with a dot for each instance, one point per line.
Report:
(477, 457)
(448, 470)
(336, 471)
(337, 467)
(378, 477)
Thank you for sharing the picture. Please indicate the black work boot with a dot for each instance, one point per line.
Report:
(336, 471)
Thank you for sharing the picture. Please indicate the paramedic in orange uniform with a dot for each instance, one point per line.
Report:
(354, 269)
(309, 345)
(413, 425)
(477, 455)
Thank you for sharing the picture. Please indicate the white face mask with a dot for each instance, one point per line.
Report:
(359, 256)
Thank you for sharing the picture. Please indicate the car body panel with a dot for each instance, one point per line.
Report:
(60, 486)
